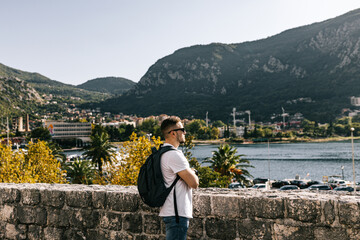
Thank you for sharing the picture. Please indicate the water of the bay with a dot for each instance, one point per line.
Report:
(311, 160)
(286, 160)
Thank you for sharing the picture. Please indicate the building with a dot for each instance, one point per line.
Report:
(355, 101)
(69, 130)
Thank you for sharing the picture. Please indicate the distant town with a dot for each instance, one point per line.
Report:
(75, 123)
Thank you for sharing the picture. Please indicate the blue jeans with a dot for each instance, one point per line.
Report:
(176, 231)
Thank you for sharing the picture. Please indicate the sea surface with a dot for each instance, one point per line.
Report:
(286, 160)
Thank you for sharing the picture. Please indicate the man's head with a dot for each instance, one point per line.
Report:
(173, 130)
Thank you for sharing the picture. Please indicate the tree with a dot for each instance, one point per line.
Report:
(133, 155)
(150, 126)
(129, 129)
(246, 134)
(100, 151)
(36, 165)
(207, 177)
(214, 133)
(41, 134)
(80, 171)
(217, 124)
(57, 151)
(194, 126)
(227, 163)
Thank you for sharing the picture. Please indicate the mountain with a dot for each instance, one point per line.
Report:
(312, 69)
(111, 85)
(44, 85)
(17, 96)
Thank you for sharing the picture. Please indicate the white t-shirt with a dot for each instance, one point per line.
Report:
(173, 162)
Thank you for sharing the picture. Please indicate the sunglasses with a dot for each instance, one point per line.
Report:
(178, 129)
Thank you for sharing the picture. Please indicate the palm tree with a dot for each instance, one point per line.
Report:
(100, 151)
(80, 171)
(227, 163)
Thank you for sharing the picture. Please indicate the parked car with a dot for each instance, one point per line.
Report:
(235, 185)
(319, 187)
(279, 184)
(344, 188)
(301, 184)
(313, 182)
(259, 186)
(289, 187)
(337, 182)
(259, 180)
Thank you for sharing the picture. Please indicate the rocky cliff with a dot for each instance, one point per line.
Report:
(319, 62)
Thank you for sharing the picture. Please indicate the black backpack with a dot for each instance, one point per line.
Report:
(150, 183)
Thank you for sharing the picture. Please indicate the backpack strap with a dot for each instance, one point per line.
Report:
(175, 204)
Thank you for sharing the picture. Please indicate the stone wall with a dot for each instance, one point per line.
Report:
(45, 211)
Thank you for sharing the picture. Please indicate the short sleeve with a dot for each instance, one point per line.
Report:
(178, 161)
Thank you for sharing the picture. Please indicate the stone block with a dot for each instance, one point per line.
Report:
(58, 217)
(15, 231)
(53, 198)
(51, 233)
(353, 233)
(2, 229)
(286, 232)
(329, 212)
(34, 232)
(152, 224)
(265, 207)
(163, 230)
(8, 214)
(145, 208)
(133, 223)
(122, 201)
(330, 233)
(32, 215)
(251, 229)
(111, 221)
(114, 235)
(196, 228)
(30, 196)
(83, 218)
(201, 205)
(228, 206)
(97, 234)
(304, 210)
(9, 195)
(147, 237)
(99, 199)
(82, 199)
(74, 234)
(220, 228)
(349, 213)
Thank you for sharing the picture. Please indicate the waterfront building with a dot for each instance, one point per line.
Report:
(355, 101)
(78, 131)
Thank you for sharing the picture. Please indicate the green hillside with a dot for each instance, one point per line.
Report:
(17, 97)
(45, 85)
(111, 85)
(313, 69)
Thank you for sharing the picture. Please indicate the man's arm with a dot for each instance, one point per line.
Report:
(189, 176)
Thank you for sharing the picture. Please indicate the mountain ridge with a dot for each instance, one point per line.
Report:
(318, 62)
(112, 85)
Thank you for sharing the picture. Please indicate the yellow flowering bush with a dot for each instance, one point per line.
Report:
(36, 165)
(132, 156)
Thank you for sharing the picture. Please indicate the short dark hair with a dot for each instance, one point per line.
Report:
(168, 123)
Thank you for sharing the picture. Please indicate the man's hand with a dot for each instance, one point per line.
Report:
(189, 176)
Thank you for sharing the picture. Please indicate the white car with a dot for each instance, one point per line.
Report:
(259, 186)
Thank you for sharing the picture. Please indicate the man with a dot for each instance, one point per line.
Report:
(174, 163)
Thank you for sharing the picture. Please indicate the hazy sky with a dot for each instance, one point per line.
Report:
(73, 41)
